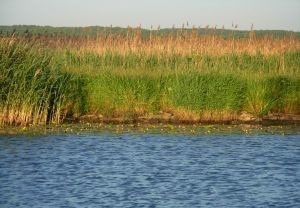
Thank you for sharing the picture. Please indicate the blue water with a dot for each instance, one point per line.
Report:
(150, 170)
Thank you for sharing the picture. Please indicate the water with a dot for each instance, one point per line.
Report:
(150, 170)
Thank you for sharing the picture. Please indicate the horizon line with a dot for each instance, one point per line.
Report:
(158, 27)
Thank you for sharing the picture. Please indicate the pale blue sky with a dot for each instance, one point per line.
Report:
(264, 14)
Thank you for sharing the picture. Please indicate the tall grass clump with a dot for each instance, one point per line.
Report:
(32, 89)
(207, 92)
(123, 95)
(272, 94)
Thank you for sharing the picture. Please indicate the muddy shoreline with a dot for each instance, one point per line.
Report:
(271, 119)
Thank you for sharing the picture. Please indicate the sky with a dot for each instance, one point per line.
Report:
(263, 14)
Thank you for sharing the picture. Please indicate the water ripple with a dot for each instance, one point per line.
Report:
(150, 170)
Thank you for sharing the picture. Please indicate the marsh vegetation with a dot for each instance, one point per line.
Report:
(181, 75)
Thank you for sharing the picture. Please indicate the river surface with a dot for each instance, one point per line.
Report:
(150, 170)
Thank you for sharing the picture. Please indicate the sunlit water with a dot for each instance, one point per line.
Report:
(150, 170)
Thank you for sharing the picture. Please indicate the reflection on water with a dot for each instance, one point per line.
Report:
(150, 170)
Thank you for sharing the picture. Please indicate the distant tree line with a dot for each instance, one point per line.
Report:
(93, 31)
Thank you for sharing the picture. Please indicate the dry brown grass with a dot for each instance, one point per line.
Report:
(182, 43)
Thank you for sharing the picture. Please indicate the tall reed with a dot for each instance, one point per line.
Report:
(32, 89)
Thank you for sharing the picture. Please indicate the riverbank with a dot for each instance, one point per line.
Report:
(84, 128)
(169, 118)
(56, 80)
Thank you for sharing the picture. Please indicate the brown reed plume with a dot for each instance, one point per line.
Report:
(179, 41)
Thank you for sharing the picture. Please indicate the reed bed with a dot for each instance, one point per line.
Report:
(204, 95)
(181, 42)
(182, 76)
(32, 89)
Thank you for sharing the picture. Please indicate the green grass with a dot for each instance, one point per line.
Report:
(135, 84)
(114, 95)
(279, 94)
(287, 63)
